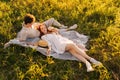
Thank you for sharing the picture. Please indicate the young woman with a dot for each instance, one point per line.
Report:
(61, 44)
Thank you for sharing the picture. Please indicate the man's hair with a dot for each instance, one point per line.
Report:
(29, 18)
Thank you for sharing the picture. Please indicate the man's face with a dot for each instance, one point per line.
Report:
(29, 24)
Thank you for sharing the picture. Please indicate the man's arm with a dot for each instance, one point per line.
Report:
(22, 36)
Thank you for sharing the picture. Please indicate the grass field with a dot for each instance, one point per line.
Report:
(99, 19)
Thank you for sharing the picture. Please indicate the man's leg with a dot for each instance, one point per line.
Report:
(53, 22)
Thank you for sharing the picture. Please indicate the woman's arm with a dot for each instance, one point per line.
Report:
(46, 40)
(48, 50)
(52, 29)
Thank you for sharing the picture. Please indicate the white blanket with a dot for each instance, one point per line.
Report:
(72, 35)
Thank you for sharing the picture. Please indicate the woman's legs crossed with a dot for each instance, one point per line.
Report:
(82, 47)
(81, 58)
(76, 49)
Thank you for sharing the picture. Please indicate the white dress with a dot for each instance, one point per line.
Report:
(56, 42)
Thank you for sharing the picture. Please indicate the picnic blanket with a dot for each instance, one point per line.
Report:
(72, 35)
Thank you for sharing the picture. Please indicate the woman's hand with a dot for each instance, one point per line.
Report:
(48, 51)
(52, 29)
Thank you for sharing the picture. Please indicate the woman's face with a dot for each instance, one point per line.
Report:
(43, 28)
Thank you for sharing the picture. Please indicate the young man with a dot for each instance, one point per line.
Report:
(27, 31)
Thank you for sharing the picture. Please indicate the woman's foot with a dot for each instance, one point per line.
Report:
(89, 67)
(95, 62)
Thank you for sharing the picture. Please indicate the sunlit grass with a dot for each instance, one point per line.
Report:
(99, 19)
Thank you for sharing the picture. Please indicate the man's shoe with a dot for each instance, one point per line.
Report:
(73, 27)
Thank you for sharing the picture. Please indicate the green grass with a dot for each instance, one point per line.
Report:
(99, 19)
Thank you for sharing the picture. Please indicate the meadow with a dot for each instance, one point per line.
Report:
(99, 19)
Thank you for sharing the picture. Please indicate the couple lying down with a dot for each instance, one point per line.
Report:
(60, 44)
(54, 39)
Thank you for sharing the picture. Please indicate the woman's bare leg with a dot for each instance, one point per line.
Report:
(78, 56)
(82, 47)
(76, 49)
(81, 58)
